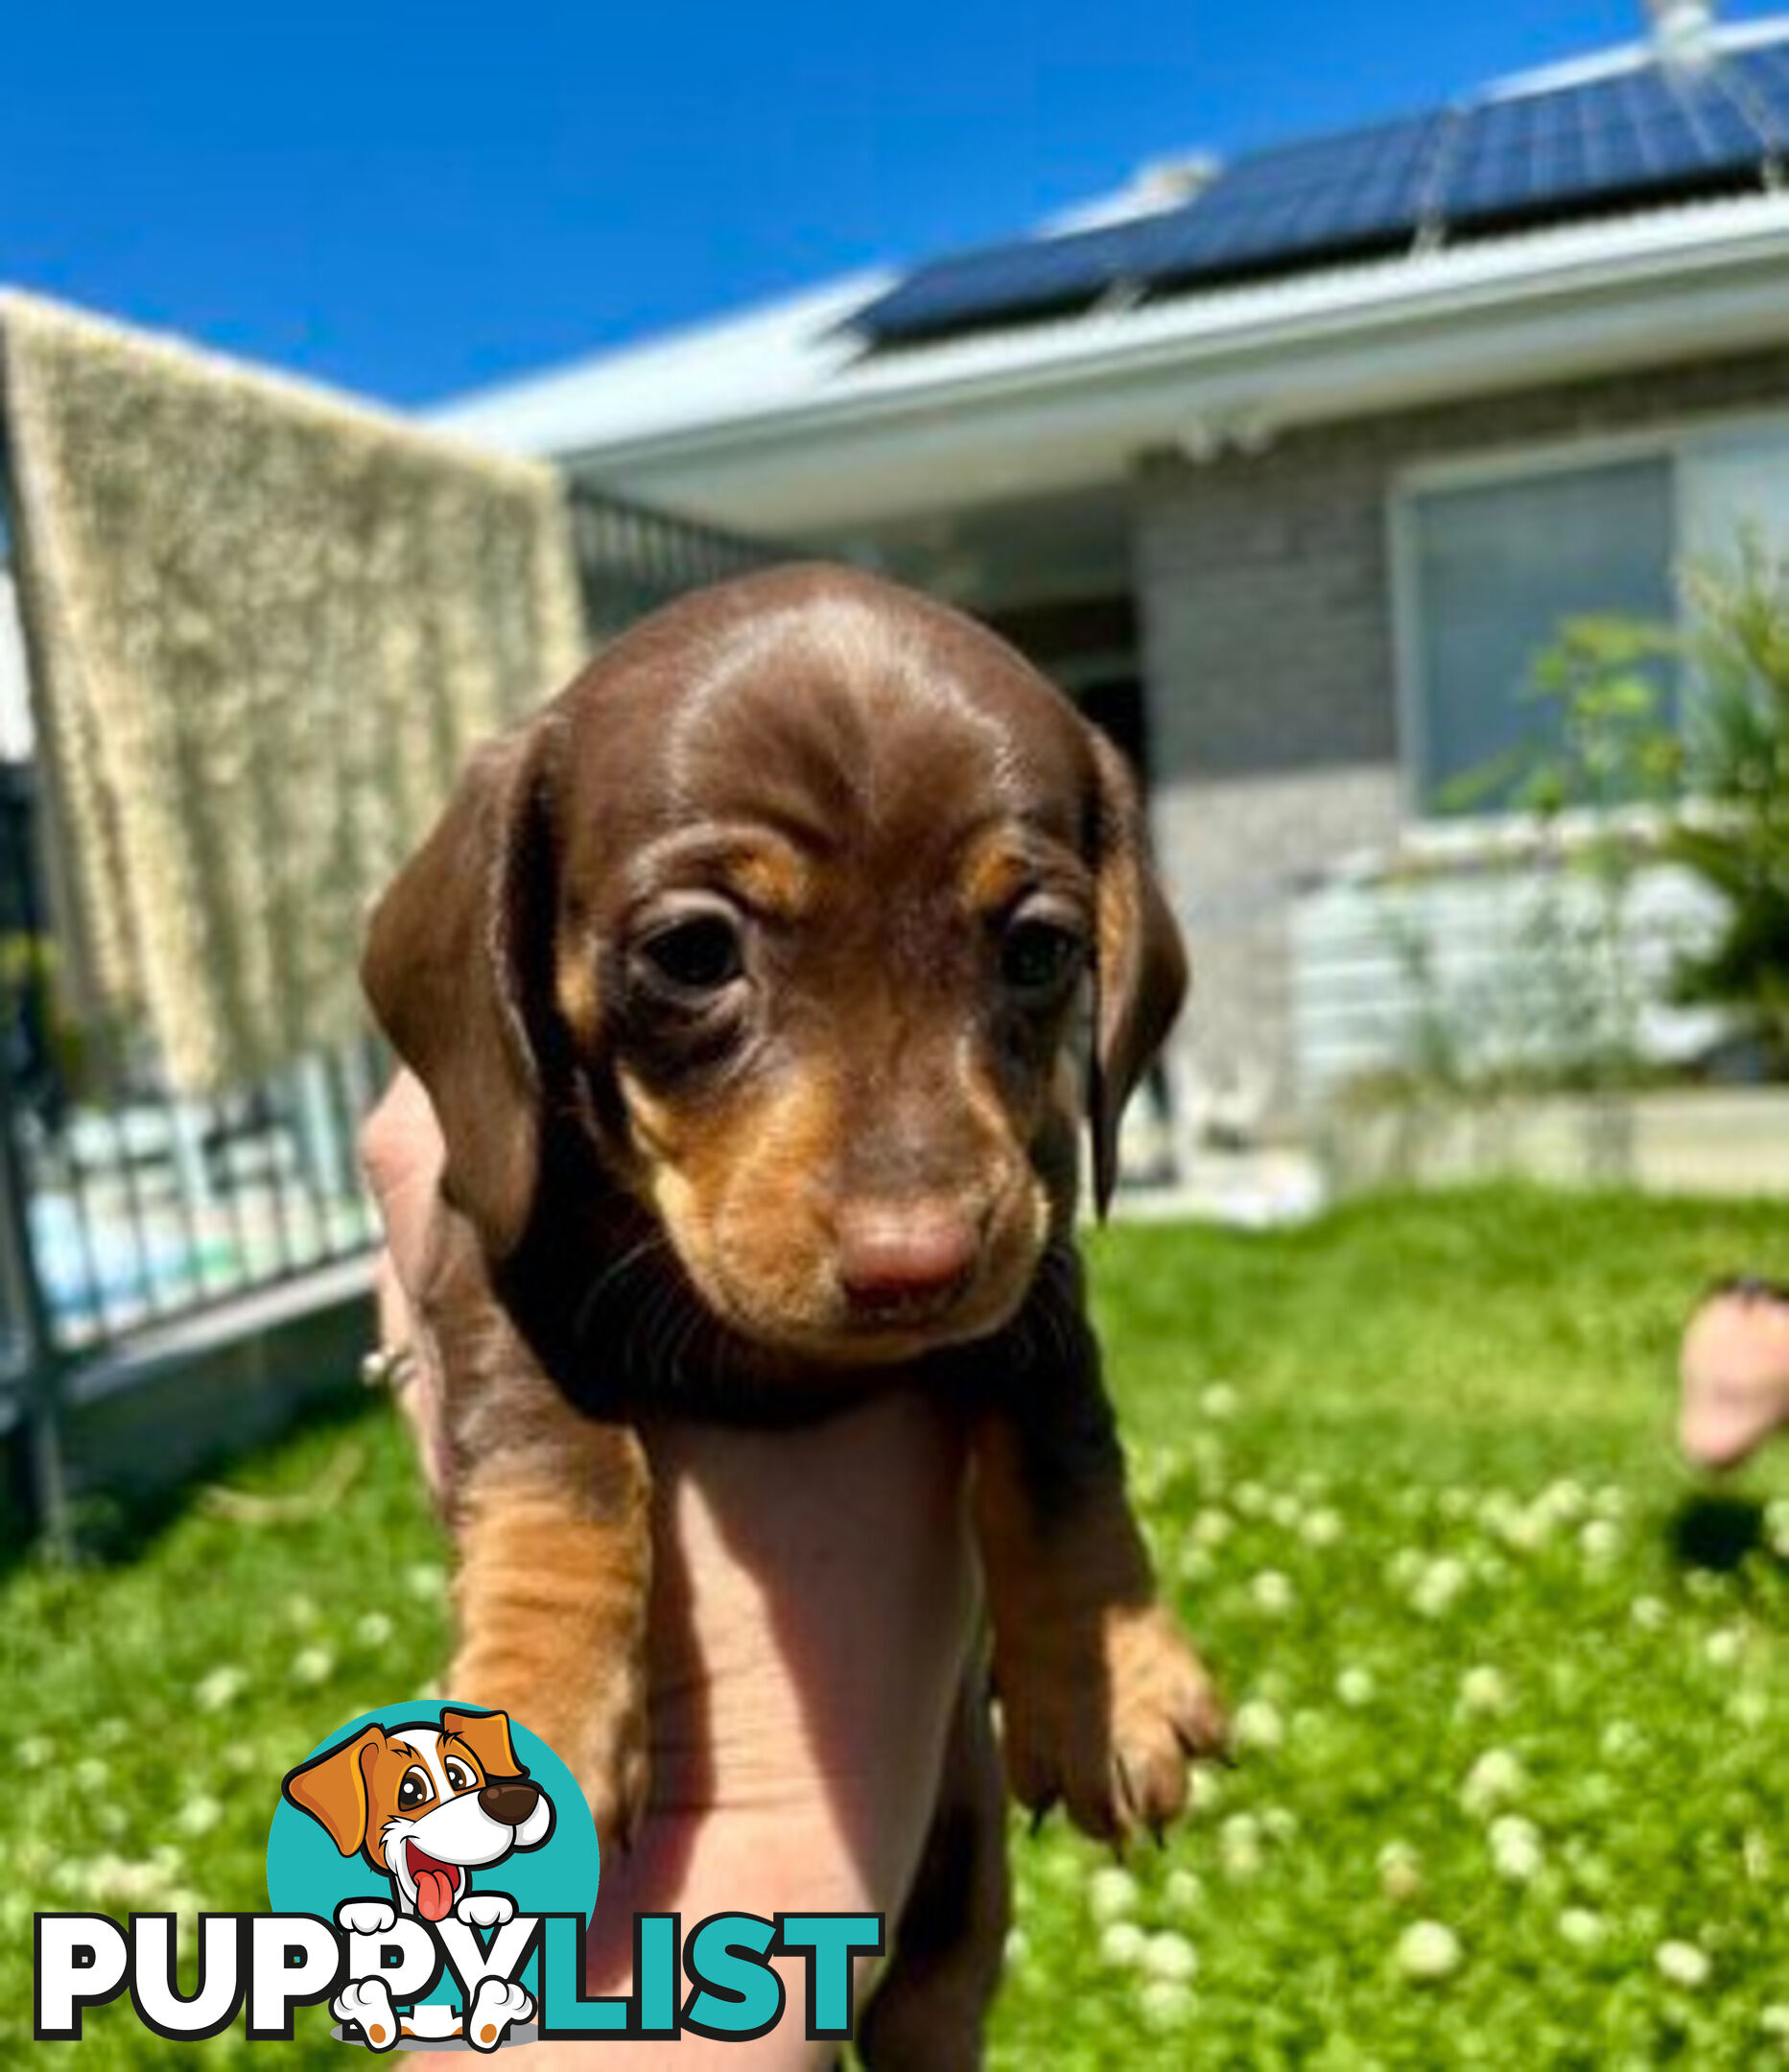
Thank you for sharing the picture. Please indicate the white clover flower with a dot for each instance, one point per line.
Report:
(301, 1610)
(1439, 1586)
(1285, 1512)
(200, 1814)
(1648, 1613)
(1600, 1538)
(112, 1820)
(1356, 1687)
(1528, 1531)
(1748, 1709)
(1427, 1951)
(1258, 1725)
(1280, 1823)
(312, 1665)
(1204, 1789)
(1168, 1955)
(1405, 1567)
(1321, 1528)
(1582, 1928)
(1566, 1500)
(1682, 1963)
(1773, 2020)
(426, 1580)
(1400, 1872)
(1776, 1526)
(1018, 1947)
(1494, 1779)
(111, 1732)
(1455, 1503)
(1211, 1528)
(1164, 2003)
(1516, 1849)
(1621, 1740)
(32, 1752)
(91, 1772)
(220, 1687)
(1273, 1593)
(1484, 1689)
(374, 1629)
(1194, 1565)
(1250, 1499)
(1111, 1891)
(1122, 1942)
(1724, 1647)
(1182, 1891)
(1610, 1501)
(1219, 1402)
(1239, 1847)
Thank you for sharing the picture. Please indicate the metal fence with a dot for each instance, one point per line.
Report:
(124, 1207)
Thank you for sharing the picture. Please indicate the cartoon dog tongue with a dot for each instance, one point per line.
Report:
(434, 1884)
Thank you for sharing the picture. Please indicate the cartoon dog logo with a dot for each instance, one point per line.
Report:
(427, 1804)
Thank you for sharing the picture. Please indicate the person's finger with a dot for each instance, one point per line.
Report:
(402, 1152)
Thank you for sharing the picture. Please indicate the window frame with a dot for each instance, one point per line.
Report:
(1673, 442)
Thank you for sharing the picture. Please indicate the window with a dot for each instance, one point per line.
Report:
(1489, 568)
(1496, 569)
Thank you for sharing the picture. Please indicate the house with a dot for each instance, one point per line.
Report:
(1286, 467)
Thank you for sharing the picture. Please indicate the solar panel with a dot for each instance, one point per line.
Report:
(1521, 157)
(1621, 135)
(1332, 193)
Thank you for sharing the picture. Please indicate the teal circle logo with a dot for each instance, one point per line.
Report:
(434, 1826)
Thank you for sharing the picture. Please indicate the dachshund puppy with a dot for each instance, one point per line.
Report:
(761, 985)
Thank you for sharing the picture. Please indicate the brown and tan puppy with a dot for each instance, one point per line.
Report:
(748, 983)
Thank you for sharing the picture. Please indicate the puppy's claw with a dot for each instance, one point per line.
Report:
(1105, 1713)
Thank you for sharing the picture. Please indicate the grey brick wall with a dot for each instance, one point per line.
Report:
(1264, 595)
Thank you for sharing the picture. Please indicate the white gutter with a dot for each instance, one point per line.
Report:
(1074, 402)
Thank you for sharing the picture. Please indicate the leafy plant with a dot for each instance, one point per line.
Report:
(1737, 765)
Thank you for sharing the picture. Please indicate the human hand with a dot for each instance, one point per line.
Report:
(812, 1601)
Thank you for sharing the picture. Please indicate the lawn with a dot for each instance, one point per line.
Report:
(1513, 1693)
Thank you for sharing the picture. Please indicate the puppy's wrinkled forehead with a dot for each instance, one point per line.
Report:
(849, 719)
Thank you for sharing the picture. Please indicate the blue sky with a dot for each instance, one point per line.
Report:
(413, 201)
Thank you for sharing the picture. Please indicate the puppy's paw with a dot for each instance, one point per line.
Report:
(1104, 1715)
(486, 1910)
(495, 2005)
(367, 2002)
(365, 1917)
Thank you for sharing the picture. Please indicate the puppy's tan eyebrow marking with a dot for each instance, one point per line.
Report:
(763, 868)
(996, 867)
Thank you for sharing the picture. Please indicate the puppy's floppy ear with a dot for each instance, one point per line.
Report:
(452, 963)
(332, 1789)
(487, 1735)
(1140, 963)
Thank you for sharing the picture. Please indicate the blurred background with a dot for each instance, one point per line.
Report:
(1379, 421)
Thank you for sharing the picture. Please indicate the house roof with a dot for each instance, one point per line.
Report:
(793, 416)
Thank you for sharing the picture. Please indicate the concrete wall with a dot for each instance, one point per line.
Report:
(1265, 589)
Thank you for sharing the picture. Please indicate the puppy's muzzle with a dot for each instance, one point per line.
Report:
(510, 1800)
(902, 1260)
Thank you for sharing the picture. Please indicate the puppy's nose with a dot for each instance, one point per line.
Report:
(510, 1802)
(904, 1256)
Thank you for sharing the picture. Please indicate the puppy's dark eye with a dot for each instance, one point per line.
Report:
(413, 1790)
(457, 1774)
(1039, 959)
(700, 955)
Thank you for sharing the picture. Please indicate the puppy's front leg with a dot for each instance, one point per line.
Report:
(1102, 1700)
(551, 1513)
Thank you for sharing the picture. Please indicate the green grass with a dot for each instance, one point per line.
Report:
(1408, 1473)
